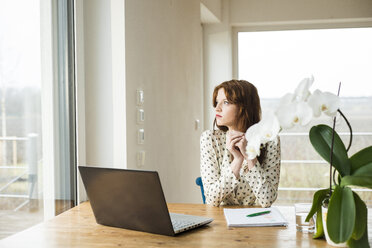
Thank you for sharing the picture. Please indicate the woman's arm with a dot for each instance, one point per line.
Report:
(217, 185)
(264, 178)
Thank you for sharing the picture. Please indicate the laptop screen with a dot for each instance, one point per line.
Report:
(130, 199)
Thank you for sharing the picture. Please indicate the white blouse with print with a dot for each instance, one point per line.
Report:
(257, 186)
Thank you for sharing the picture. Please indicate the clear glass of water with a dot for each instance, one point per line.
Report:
(302, 210)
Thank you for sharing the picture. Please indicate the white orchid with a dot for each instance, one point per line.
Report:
(260, 133)
(302, 91)
(253, 131)
(293, 114)
(296, 108)
(253, 137)
(269, 127)
(287, 99)
(253, 147)
(325, 102)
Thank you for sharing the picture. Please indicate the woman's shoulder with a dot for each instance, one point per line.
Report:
(273, 143)
(212, 133)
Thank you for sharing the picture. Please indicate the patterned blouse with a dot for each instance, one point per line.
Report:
(259, 185)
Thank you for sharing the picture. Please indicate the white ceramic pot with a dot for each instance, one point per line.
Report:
(324, 219)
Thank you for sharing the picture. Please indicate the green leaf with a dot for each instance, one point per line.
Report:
(361, 158)
(360, 217)
(365, 170)
(362, 181)
(319, 196)
(319, 225)
(321, 139)
(316, 207)
(341, 215)
(360, 243)
(361, 177)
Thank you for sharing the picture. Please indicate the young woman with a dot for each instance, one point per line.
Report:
(229, 177)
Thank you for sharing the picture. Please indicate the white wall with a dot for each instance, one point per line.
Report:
(210, 11)
(164, 58)
(98, 83)
(80, 92)
(243, 12)
(103, 42)
(214, 6)
(158, 48)
(217, 48)
(119, 125)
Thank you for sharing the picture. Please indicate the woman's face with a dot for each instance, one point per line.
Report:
(226, 112)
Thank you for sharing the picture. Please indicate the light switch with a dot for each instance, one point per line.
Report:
(140, 97)
(140, 116)
(140, 159)
(197, 124)
(141, 136)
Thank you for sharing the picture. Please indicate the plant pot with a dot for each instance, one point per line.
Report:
(329, 241)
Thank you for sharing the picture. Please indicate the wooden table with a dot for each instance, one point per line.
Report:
(77, 228)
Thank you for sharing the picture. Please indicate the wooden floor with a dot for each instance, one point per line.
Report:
(12, 222)
(30, 214)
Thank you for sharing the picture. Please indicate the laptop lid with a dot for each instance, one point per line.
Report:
(130, 199)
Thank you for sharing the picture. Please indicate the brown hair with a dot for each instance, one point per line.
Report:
(245, 96)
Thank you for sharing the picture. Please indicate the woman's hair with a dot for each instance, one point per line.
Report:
(245, 96)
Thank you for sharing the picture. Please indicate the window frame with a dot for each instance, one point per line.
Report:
(297, 25)
(58, 104)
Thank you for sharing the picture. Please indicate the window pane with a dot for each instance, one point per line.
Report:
(23, 115)
(20, 120)
(276, 61)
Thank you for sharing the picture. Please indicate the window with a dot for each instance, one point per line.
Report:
(276, 61)
(37, 129)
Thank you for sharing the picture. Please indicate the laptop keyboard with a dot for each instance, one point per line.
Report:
(179, 224)
(182, 222)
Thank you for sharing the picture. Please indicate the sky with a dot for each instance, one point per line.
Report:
(20, 43)
(276, 61)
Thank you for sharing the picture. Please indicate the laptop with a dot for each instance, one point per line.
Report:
(133, 199)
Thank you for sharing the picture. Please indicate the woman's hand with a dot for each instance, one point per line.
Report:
(242, 145)
(232, 138)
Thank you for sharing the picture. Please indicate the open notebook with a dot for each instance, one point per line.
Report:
(237, 217)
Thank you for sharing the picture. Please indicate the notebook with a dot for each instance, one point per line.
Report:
(133, 199)
(237, 217)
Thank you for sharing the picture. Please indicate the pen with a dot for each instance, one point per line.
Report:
(258, 214)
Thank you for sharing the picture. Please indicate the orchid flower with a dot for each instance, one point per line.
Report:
(325, 102)
(253, 147)
(296, 108)
(252, 132)
(287, 99)
(293, 114)
(302, 92)
(265, 130)
(269, 127)
(253, 137)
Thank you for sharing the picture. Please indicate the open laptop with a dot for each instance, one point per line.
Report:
(133, 199)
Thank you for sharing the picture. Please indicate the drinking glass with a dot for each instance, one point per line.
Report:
(302, 210)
